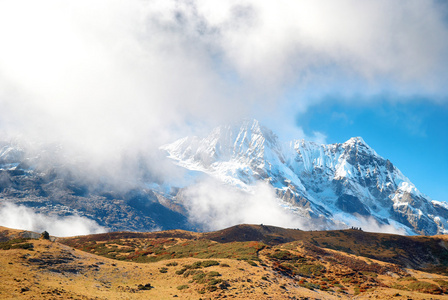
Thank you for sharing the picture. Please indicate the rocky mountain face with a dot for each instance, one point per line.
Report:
(61, 190)
(330, 186)
(326, 183)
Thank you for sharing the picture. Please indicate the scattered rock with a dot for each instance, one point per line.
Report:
(45, 235)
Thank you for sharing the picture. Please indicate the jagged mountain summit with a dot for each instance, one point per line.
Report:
(328, 184)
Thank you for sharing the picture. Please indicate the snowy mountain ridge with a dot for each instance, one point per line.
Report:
(326, 186)
(329, 183)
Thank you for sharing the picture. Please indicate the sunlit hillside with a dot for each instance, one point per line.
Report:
(242, 262)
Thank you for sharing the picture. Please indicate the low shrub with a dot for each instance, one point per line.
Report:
(213, 274)
(310, 286)
(424, 287)
(410, 278)
(214, 281)
(199, 277)
(252, 263)
(181, 271)
(209, 263)
(192, 272)
(182, 287)
(309, 270)
(147, 286)
(283, 255)
(19, 243)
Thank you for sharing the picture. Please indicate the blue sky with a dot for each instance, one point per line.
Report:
(413, 135)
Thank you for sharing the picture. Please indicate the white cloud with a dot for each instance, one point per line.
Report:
(111, 77)
(21, 217)
(213, 205)
(370, 224)
(273, 43)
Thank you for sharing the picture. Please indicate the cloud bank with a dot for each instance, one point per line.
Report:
(213, 205)
(21, 217)
(108, 76)
(370, 224)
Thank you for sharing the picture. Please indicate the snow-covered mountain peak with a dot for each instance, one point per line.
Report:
(330, 182)
(243, 141)
(359, 145)
(251, 132)
(356, 140)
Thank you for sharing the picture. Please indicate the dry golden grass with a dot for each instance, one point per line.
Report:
(296, 270)
(73, 274)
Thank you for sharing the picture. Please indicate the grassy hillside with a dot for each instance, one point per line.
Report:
(418, 252)
(241, 262)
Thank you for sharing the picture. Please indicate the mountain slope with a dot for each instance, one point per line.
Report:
(337, 183)
(63, 190)
(424, 253)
